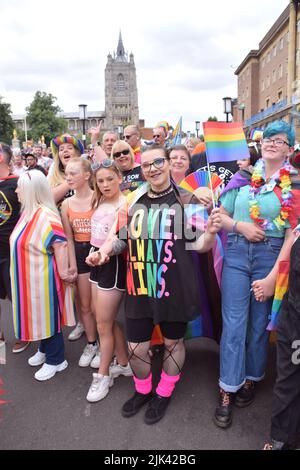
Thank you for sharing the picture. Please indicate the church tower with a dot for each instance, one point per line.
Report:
(121, 97)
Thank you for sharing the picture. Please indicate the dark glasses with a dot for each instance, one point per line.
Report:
(123, 152)
(128, 136)
(154, 137)
(105, 164)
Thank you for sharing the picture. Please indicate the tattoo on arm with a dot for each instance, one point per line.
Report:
(117, 247)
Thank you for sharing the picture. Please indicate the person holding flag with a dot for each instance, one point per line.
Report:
(256, 212)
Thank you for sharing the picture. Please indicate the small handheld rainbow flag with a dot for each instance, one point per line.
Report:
(225, 141)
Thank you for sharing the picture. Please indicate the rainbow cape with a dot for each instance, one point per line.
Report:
(225, 141)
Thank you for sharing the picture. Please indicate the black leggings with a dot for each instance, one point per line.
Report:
(140, 330)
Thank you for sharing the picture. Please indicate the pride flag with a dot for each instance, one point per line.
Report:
(176, 135)
(282, 282)
(225, 141)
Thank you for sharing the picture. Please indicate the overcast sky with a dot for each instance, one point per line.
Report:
(185, 52)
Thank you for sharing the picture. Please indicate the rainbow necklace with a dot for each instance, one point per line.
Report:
(256, 185)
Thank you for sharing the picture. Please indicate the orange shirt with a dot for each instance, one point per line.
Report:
(81, 224)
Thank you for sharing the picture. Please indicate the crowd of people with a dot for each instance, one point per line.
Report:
(80, 234)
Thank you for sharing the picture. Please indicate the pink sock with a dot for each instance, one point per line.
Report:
(143, 386)
(166, 384)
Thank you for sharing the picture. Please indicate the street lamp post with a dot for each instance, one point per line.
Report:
(227, 106)
(197, 123)
(82, 117)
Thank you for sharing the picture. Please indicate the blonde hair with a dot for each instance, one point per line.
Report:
(35, 186)
(124, 144)
(58, 175)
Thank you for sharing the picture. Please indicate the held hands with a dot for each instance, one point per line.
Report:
(70, 276)
(263, 289)
(214, 221)
(97, 258)
(252, 232)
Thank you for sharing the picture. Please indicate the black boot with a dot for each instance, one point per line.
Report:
(223, 413)
(135, 403)
(245, 395)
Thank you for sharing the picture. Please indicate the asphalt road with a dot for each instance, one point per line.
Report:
(56, 415)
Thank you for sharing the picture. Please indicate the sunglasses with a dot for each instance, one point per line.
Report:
(123, 152)
(128, 136)
(154, 137)
(105, 164)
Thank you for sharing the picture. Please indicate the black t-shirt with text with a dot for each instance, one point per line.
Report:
(9, 212)
(223, 169)
(161, 277)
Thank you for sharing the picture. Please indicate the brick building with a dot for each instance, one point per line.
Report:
(269, 77)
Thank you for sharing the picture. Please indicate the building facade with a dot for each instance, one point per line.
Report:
(269, 77)
(121, 98)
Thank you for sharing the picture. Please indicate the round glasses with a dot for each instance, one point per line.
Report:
(158, 163)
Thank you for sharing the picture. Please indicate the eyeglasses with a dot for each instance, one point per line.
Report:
(276, 142)
(128, 136)
(157, 163)
(123, 152)
(105, 164)
(157, 135)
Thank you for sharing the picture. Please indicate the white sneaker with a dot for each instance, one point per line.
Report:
(100, 387)
(88, 353)
(116, 369)
(77, 332)
(95, 364)
(38, 359)
(48, 371)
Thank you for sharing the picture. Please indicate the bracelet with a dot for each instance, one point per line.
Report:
(234, 227)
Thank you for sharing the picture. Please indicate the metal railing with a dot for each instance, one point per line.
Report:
(266, 112)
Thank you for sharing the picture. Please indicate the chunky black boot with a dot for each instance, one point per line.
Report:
(245, 395)
(223, 413)
(135, 403)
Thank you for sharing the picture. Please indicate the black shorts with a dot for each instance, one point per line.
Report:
(82, 250)
(5, 287)
(140, 330)
(111, 275)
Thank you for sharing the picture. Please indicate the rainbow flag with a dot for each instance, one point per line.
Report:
(225, 141)
(282, 282)
(256, 134)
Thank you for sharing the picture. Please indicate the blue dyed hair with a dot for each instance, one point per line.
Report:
(281, 127)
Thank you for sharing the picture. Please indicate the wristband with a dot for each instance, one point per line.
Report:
(234, 227)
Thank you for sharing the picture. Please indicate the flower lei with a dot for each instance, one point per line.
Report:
(256, 184)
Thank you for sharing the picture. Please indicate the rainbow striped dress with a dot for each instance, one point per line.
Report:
(38, 294)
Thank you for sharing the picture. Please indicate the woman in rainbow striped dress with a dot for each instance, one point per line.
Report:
(39, 264)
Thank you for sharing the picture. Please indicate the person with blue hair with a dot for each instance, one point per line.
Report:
(257, 212)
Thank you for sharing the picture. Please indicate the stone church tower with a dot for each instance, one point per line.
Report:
(121, 96)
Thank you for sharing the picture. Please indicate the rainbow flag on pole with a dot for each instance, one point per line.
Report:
(225, 141)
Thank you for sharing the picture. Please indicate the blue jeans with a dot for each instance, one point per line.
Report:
(244, 342)
(54, 349)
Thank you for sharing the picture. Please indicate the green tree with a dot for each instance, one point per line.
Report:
(212, 118)
(6, 122)
(42, 117)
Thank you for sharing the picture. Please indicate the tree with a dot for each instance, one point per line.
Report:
(212, 118)
(6, 122)
(42, 117)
